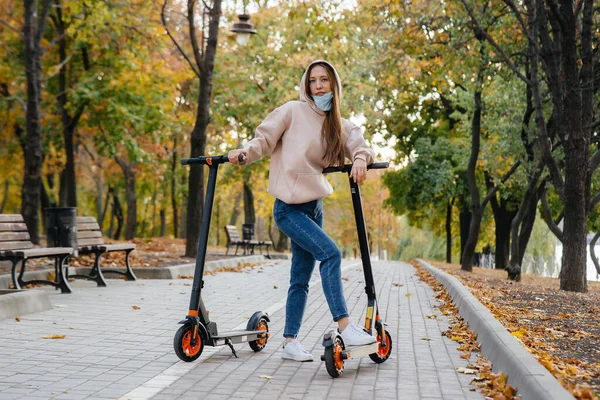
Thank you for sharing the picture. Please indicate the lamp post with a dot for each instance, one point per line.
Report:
(243, 28)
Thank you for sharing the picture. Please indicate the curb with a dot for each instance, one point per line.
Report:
(14, 303)
(171, 272)
(505, 352)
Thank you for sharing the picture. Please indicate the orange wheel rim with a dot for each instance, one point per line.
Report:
(262, 326)
(383, 351)
(186, 344)
(337, 356)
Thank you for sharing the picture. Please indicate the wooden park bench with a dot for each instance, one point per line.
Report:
(16, 247)
(90, 241)
(234, 239)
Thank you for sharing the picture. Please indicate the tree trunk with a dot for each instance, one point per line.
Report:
(4, 196)
(163, 222)
(476, 206)
(68, 188)
(573, 276)
(282, 242)
(236, 209)
(249, 215)
(118, 214)
(154, 207)
(206, 65)
(130, 196)
(464, 217)
(174, 205)
(502, 218)
(449, 231)
(104, 209)
(33, 31)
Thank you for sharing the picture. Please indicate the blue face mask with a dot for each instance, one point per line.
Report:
(324, 102)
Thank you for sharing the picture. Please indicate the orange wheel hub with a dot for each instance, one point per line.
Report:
(383, 351)
(187, 346)
(337, 356)
(262, 326)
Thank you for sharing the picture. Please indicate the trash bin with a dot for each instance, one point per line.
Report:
(247, 231)
(61, 227)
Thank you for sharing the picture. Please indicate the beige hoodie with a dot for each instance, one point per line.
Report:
(291, 134)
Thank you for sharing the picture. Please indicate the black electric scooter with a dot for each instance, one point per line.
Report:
(197, 329)
(335, 351)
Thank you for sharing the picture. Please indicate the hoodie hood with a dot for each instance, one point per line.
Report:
(306, 97)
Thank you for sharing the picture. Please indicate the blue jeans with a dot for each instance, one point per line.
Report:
(303, 223)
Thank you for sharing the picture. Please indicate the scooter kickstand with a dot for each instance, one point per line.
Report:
(228, 343)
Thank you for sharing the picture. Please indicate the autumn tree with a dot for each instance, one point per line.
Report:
(202, 63)
(565, 53)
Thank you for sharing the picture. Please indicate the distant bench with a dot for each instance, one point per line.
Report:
(91, 241)
(16, 247)
(234, 239)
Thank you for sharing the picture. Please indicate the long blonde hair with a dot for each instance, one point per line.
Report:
(331, 133)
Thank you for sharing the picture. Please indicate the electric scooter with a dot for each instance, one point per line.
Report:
(198, 330)
(335, 351)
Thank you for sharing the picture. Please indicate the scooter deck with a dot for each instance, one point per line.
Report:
(237, 337)
(360, 351)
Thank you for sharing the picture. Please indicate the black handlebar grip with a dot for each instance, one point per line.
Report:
(187, 161)
(348, 167)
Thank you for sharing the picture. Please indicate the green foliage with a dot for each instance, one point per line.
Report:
(421, 243)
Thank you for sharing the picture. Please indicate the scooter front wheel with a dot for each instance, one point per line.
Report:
(333, 358)
(383, 353)
(182, 342)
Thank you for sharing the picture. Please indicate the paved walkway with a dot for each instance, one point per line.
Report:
(112, 350)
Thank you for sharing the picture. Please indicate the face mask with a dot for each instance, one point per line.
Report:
(324, 102)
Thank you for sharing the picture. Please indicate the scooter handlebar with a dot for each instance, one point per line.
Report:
(348, 167)
(209, 160)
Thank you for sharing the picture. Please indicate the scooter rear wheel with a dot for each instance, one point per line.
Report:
(383, 353)
(259, 344)
(333, 358)
(182, 343)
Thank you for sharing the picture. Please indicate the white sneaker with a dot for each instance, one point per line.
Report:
(354, 335)
(294, 351)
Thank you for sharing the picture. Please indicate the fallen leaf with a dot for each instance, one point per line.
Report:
(344, 278)
(135, 307)
(17, 319)
(467, 371)
(431, 316)
(425, 338)
(53, 336)
(397, 284)
(408, 294)
(275, 287)
(465, 356)
(185, 277)
(266, 377)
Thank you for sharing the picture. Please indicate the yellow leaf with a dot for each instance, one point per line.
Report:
(135, 307)
(54, 336)
(408, 294)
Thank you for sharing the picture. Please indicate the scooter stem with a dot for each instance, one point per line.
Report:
(203, 241)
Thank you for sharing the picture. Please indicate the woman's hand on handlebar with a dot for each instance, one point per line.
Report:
(237, 157)
(359, 171)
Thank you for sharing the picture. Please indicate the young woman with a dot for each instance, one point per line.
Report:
(303, 137)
